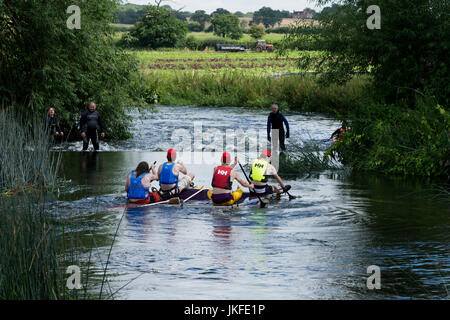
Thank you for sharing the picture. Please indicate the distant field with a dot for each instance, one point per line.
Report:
(252, 63)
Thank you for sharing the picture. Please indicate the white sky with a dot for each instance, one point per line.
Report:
(235, 5)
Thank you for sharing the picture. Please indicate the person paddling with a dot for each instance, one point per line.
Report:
(139, 182)
(89, 123)
(222, 183)
(168, 175)
(275, 121)
(260, 170)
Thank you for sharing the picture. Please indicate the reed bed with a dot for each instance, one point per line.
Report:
(241, 89)
(305, 158)
(25, 160)
(36, 244)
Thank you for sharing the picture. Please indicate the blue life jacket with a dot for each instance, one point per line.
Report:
(136, 190)
(167, 176)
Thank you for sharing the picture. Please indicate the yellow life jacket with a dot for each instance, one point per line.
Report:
(259, 168)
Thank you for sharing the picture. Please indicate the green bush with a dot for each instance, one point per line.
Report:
(394, 140)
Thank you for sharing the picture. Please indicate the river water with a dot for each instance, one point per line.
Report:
(318, 246)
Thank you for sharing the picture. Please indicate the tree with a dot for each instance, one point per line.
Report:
(220, 11)
(43, 63)
(226, 25)
(239, 14)
(285, 14)
(409, 52)
(267, 16)
(158, 29)
(201, 17)
(257, 31)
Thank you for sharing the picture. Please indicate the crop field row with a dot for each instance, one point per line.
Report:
(251, 63)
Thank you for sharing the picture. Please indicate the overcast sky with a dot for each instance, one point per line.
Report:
(235, 5)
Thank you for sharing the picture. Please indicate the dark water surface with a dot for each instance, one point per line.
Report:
(317, 246)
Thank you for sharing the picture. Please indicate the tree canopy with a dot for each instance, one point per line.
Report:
(158, 29)
(267, 16)
(226, 25)
(406, 55)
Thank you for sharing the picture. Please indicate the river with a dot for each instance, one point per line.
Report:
(318, 246)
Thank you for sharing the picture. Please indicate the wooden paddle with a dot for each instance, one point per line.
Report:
(262, 203)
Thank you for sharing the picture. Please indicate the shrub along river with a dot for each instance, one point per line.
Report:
(318, 246)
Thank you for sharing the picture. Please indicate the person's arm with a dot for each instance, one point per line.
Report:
(127, 184)
(243, 183)
(58, 128)
(234, 163)
(83, 123)
(159, 171)
(286, 123)
(268, 128)
(280, 182)
(181, 167)
(100, 124)
(235, 176)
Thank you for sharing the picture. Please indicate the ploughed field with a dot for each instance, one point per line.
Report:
(251, 63)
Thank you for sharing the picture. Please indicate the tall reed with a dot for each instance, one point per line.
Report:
(25, 159)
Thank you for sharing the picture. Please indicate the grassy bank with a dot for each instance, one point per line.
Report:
(237, 88)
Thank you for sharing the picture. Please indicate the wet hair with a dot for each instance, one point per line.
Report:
(142, 167)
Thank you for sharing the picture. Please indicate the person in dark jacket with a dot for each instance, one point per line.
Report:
(276, 121)
(52, 123)
(89, 123)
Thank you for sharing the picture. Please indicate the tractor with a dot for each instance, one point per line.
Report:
(262, 46)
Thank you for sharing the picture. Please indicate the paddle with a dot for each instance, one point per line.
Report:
(291, 197)
(262, 203)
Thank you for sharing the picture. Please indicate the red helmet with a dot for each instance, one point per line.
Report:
(266, 153)
(171, 154)
(226, 157)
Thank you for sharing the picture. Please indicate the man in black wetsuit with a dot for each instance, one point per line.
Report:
(89, 122)
(275, 121)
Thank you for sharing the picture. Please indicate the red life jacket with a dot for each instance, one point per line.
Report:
(222, 178)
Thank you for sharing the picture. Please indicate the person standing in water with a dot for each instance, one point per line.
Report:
(52, 123)
(89, 123)
(275, 121)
